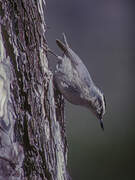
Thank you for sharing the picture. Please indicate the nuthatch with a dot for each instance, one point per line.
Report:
(75, 84)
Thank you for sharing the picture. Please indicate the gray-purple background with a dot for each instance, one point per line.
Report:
(102, 33)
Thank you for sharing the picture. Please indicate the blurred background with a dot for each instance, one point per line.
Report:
(102, 33)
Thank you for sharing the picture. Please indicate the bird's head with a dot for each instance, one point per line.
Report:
(98, 105)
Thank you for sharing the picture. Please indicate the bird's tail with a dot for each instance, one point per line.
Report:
(63, 47)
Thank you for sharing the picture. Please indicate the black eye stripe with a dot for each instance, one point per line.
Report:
(101, 106)
(100, 102)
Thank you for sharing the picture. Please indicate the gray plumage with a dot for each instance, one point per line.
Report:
(75, 82)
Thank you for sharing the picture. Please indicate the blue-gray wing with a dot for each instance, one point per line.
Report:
(76, 61)
(80, 67)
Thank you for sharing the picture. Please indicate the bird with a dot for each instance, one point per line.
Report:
(75, 83)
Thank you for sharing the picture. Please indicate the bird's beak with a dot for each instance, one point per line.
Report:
(101, 124)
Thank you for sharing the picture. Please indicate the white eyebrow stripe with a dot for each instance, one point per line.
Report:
(103, 104)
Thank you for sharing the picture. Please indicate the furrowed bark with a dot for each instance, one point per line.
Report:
(32, 133)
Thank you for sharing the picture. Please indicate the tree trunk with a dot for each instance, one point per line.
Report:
(32, 133)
